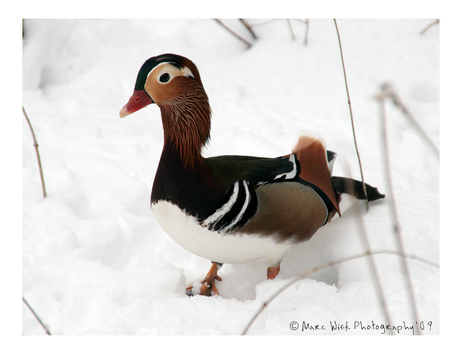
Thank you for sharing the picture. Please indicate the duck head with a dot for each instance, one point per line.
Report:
(174, 84)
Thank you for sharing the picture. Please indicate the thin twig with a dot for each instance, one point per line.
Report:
(351, 115)
(36, 316)
(36, 153)
(249, 28)
(429, 26)
(261, 23)
(389, 92)
(327, 265)
(371, 263)
(307, 23)
(290, 28)
(232, 32)
(394, 213)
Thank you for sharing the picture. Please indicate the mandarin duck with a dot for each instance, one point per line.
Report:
(231, 209)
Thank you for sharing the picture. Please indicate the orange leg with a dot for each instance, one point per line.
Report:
(272, 272)
(208, 287)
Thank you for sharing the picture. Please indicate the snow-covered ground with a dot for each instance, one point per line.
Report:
(95, 262)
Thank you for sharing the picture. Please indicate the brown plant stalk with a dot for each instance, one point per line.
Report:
(266, 303)
(394, 213)
(40, 169)
(36, 317)
(351, 114)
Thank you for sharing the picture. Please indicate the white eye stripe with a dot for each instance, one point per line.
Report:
(168, 68)
(187, 72)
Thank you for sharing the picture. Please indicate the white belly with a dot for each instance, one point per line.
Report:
(221, 248)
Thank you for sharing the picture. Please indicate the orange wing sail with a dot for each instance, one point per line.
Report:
(311, 155)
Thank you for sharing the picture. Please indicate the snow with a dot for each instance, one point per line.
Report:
(95, 262)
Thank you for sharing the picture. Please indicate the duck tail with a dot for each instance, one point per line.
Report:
(355, 188)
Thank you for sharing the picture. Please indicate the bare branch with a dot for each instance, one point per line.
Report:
(36, 316)
(234, 33)
(36, 153)
(249, 28)
(351, 115)
(261, 23)
(394, 213)
(371, 263)
(290, 29)
(327, 265)
(307, 23)
(389, 92)
(429, 26)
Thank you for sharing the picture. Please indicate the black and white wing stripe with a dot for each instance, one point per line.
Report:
(288, 175)
(237, 210)
(243, 175)
(256, 171)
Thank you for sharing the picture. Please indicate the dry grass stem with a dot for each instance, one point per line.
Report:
(307, 25)
(234, 33)
(389, 92)
(266, 303)
(36, 316)
(394, 213)
(429, 26)
(249, 28)
(351, 113)
(36, 153)
(290, 29)
(371, 264)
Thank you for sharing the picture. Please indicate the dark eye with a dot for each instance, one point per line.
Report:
(165, 77)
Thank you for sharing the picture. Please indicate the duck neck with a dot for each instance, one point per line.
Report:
(187, 124)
